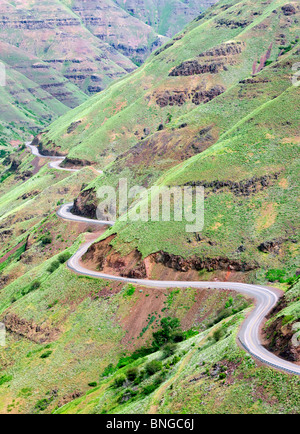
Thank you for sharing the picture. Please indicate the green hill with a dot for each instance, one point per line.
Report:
(215, 107)
(236, 136)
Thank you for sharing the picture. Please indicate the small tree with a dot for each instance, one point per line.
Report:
(170, 327)
(169, 349)
(132, 373)
(153, 367)
(46, 240)
(119, 381)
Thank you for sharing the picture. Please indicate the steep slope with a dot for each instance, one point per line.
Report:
(251, 212)
(41, 73)
(165, 16)
(111, 24)
(68, 49)
(64, 332)
(34, 95)
(208, 374)
(54, 34)
(89, 43)
(282, 330)
(72, 339)
(213, 54)
(229, 135)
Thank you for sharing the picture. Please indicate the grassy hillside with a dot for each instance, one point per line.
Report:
(33, 96)
(207, 375)
(63, 330)
(194, 114)
(58, 52)
(52, 32)
(165, 16)
(251, 188)
(131, 111)
(242, 146)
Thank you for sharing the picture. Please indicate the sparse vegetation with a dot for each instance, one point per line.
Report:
(157, 350)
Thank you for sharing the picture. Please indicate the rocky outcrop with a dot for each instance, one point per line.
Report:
(245, 187)
(85, 205)
(72, 127)
(38, 24)
(103, 257)
(275, 246)
(29, 329)
(178, 263)
(289, 9)
(53, 152)
(196, 96)
(271, 246)
(193, 67)
(75, 162)
(229, 49)
(165, 47)
(284, 339)
(218, 60)
(70, 397)
(232, 24)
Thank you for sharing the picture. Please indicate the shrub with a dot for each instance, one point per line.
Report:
(139, 379)
(186, 335)
(132, 373)
(42, 404)
(153, 367)
(93, 384)
(32, 287)
(46, 240)
(35, 285)
(119, 381)
(170, 328)
(5, 379)
(46, 355)
(175, 360)
(218, 334)
(53, 267)
(130, 290)
(169, 350)
(109, 370)
(180, 336)
(64, 257)
(149, 389)
(276, 275)
(229, 303)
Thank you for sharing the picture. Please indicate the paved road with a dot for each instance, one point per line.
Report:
(249, 335)
(55, 161)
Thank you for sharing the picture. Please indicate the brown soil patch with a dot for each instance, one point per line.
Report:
(150, 301)
(284, 183)
(295, 140)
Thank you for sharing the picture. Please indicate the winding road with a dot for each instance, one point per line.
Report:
(249, 334)
(55, 161)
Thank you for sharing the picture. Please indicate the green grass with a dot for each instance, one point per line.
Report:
(116, 114)
(239, 386)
